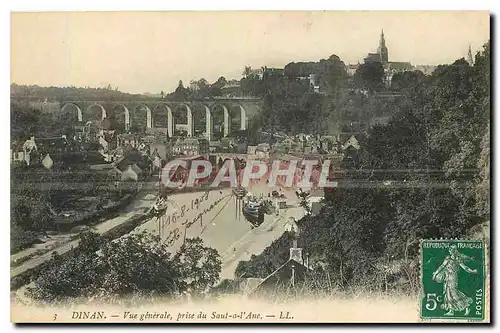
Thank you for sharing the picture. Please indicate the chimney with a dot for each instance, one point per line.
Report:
(296, 254)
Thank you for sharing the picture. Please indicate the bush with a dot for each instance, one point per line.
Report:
(21, 239)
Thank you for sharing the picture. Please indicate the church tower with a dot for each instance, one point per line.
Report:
(470, 59)
(382, 49)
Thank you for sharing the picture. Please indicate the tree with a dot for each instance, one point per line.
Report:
(216, 87)
(482, 190)
(20, 238)
(369, 76)
(200, 89)
(78, 275)
(406, 80)
(221, 82)
(139, 264)
(90, 242)
(133, 265)
(41, 215)
(181, 93)
(334, 74)
(252, 86)
(199, 266)
(24, 121)
(20, 212)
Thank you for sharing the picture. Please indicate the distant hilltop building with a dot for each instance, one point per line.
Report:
(390, 67)
(382, 56)
(265, 71)
(426, 69)
(231, 90)
(351, 69)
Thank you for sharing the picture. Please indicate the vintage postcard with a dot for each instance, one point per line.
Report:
(250, 167)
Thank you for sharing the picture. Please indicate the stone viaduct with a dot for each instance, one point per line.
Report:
(128, 112)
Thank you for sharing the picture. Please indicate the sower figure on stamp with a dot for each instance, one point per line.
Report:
(447, 273)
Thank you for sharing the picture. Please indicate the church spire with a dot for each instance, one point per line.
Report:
(382, 49)
(470, 60)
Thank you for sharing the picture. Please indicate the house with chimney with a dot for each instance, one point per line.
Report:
(134, 166)
(293, 271)
(125, 169)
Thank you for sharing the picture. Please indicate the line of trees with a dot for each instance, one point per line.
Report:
(70, 93)
(198, 89)
(136, 266)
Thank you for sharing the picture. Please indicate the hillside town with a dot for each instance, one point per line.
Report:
(91, 170)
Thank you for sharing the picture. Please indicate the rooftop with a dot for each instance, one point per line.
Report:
(400, 65)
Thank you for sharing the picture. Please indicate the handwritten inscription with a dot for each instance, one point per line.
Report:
(175, 234)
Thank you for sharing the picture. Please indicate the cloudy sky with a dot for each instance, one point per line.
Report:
(152, 51)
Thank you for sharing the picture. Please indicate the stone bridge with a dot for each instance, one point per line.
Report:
(163, 115)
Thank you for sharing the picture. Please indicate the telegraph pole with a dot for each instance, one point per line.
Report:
(159, 229)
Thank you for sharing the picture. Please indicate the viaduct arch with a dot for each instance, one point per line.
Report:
(247, 108)
(126, 114)
(78, 110)
(103, 110)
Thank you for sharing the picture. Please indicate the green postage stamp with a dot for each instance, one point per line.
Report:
(453, 279)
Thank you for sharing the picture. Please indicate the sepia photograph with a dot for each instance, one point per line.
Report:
(250, 167)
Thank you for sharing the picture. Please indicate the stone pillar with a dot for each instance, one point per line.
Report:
(170, 122)
(149, 118)
(243, 118)
(208, 123)
(227, 122)
(80, 115)
(189, 121)
(127, 119)
(103, 115)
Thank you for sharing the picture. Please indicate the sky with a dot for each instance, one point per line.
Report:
(151, 51)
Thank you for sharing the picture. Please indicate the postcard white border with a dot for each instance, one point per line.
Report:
(129, 5)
